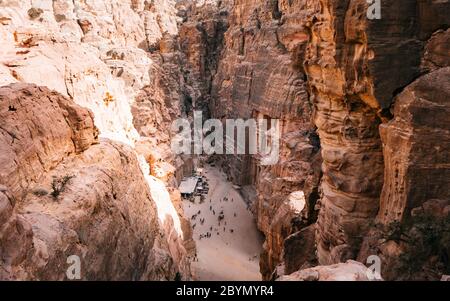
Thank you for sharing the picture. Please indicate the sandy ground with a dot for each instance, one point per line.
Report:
(226, 255)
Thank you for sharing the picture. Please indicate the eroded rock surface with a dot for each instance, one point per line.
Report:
(331, 50)
(348, 271)
(416, 176)
(103, 213)
(260, 76)
(417, 144)
(354, 69)
(107, 57)
(326, 61)
(362, 106)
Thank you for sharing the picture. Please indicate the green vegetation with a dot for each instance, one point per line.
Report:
(59, 184)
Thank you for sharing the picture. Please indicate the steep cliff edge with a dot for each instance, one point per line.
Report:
(326, 61)
(260, 76)
(352, 86)
(107, 56)
(64, 192)
(411, 228)
(362, 105)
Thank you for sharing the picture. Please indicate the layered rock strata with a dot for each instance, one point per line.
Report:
(362, 106)
(352, 67)
(65, 192)
(109, 57)
(260, 76)
(353, 70)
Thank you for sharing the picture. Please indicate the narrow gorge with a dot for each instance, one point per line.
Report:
(89, 93)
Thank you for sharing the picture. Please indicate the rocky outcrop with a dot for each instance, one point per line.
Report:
(30, 147)
(298, 250)
(109, 57)
(349, 271)
(414, 202)
(329, 62)
(65, 192)
(349, 67)
(416, 143)
(249, 85)
(436, 51)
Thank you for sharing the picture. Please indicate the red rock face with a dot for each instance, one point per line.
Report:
(104, 213)
(416, 148)
(416, 145)
(349, 68)
(259, 76)
(337, 64)
(354, 68)
(118, 59)
(30, 147)
(363, 107)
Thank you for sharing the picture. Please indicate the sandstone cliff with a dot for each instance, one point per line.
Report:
(259, 76)
(106, 56)
(327, 62)
(65, 192)
(363, 108)
(354, 69)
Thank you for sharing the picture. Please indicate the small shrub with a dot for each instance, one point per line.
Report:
(396, 231)
(59, 184)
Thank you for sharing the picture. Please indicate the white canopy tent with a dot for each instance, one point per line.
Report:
(188, 185)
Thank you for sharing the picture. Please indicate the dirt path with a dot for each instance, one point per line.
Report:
(232, 251)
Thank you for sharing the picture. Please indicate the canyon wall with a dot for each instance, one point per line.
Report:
(66, 192)
(362, 106)
(201, 35)
(121, 212)
(355, 70)
(325, 69)
(260, 75)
